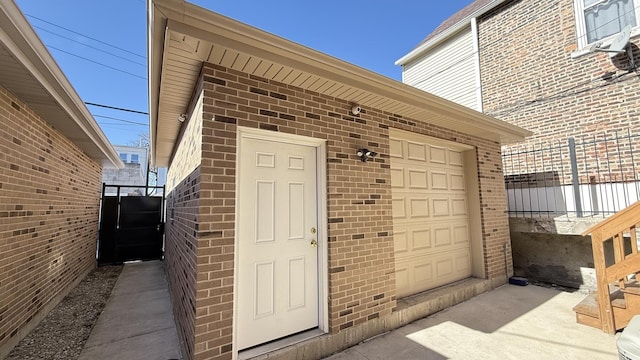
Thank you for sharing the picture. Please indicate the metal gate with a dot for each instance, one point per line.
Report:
(131, 227)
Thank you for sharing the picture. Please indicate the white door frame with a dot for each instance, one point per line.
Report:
(321, 181)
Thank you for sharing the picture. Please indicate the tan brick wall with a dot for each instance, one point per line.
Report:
(361, 263)
(49, 203)
(183, 213)
(529, 79)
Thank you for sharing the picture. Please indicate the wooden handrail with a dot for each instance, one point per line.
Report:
(613, 224)
(614, 228)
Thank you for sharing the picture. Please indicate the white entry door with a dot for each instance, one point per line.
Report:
(278, 255)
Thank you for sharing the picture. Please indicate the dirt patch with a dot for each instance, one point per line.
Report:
(64, 331)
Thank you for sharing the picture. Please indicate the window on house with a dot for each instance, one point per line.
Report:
(134, 158)
(123, 157)
(598, 19)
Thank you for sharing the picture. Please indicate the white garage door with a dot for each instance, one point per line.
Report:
(430, 216)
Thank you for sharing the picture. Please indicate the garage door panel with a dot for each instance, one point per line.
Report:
(460, 234)
(440, 207)
(459, 206)
(456, 182)
(398, 206)
(455, 158)
(396, 148)
(438, 155)
(462, 261)
(401, 242)
(423, 273)
(416, 151)
(418, 179)
(444, 267)
(418, 207)
(402, 278)
(439, 180)
(430, 214)
(442, 236)
(397, 178)
(420, 239)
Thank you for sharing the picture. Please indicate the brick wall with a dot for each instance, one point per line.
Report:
(530, 79)
(361, 263)
(183, 207)
(49, 202)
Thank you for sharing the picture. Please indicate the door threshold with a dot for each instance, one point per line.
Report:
(279, 344)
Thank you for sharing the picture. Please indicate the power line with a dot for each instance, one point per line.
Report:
(98, 63)
(513, 107)
(89, 46)
(88, 37)
(121, 120)
(117, 108)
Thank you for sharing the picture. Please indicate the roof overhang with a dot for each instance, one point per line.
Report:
(182, 36)
(464, 23)
(28, 71)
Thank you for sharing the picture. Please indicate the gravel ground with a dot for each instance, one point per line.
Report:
(63, 332)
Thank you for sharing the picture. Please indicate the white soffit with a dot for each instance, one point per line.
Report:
(29, 72)
(182, 36)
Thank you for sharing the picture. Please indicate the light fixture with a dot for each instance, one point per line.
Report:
(182, 117)
(356, 109)
(366, 154)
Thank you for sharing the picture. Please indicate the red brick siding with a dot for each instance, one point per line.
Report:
(529, 79)
(49, 203)
(361, 263)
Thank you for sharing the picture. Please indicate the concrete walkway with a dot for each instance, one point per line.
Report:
(511, 322)
(137, 322)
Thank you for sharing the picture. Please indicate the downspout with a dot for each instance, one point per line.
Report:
(476, 50)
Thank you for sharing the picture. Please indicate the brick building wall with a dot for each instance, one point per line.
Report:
(361, 262)
(49, 203)
(183, 209)
(530, 79)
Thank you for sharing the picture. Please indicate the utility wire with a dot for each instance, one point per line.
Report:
(89, 46)
(117, 108)
(121, 120)
(513, 107)
(98, 63)
(88, 37)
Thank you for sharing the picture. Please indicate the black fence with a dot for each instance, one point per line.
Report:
(589, 176)
(131, 227)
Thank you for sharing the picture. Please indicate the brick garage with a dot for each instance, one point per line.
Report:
(222, 101)
(49, 185)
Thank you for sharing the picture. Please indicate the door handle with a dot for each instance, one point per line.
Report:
(314, 243)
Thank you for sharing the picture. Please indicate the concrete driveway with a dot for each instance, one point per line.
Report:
(511, 322)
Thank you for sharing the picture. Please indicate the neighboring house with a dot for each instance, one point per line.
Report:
(135, 161)
(51, 157)
(543, 66)
(275, 225)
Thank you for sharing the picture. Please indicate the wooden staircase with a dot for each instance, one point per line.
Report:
(618, 297)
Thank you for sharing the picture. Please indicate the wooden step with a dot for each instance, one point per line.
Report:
(632, 287)
(587, 312)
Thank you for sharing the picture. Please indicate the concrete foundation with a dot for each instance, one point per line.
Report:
(409, 310)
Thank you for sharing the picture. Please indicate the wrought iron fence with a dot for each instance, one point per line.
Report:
(593, 175)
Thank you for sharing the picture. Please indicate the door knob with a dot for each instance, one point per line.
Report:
(314, 243)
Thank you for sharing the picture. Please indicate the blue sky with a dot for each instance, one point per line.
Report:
(101, 45)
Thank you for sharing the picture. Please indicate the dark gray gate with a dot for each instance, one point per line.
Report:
(131, 227)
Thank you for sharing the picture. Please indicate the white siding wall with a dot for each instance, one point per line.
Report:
(448, 70)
